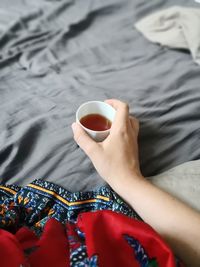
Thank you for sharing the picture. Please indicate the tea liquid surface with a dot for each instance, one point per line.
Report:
(96, 122)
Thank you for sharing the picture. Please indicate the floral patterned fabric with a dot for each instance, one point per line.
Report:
(34, 204)
(43, 224)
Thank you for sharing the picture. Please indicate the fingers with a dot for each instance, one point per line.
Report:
(117, 104)
(122, 115)
(87, 144)
(134, 123)
(122, 111)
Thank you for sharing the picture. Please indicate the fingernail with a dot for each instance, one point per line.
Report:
(73, 126)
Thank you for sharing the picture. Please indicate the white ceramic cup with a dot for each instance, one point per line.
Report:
(96, 107)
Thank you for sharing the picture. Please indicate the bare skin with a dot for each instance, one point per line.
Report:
(116, 160)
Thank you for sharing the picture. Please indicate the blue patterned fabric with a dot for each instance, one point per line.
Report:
(34, 204)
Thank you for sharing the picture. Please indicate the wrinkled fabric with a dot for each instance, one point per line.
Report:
(55, 55)
(43, 224)
(35, 203)
(175, 27)
(182, 182)
(91, 241)
(24, 249)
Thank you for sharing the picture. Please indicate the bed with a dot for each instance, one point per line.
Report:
(55, 55)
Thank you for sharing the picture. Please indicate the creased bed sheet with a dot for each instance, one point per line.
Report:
(55, 55)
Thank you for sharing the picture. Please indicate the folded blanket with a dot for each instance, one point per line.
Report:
(175, 27)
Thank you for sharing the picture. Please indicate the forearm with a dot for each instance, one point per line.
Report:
(116, 160)
(176, 222)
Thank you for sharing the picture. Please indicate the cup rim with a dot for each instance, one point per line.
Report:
(88, 102)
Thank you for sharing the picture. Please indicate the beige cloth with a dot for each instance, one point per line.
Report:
(183, 182)
(175, 27)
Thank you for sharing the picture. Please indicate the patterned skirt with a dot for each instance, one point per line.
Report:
(43, 224)
(35, 204)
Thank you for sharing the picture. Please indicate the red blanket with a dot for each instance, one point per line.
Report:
(100, 238)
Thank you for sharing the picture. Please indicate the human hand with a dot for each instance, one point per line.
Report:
(116, 158)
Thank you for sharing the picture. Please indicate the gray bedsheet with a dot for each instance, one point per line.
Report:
(55, 55)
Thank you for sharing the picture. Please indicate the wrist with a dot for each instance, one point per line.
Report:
(127, 183)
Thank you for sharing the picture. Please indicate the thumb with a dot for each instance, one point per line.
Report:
(86, 143)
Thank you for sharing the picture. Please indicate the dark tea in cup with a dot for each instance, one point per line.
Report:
(95, 122)
(96, 117)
